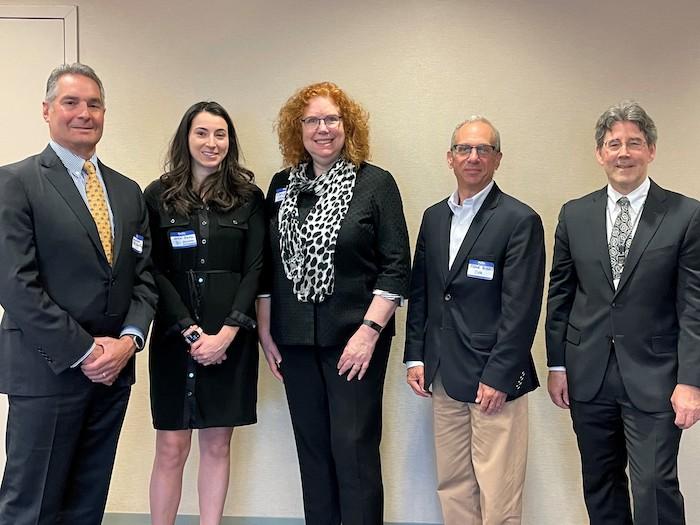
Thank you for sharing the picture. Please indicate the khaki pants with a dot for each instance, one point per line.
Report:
(481, 460)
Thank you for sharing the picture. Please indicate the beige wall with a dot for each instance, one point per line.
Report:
(541, 70)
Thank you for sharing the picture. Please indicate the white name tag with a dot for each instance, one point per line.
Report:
(137, 243)
(181, 240)
(279, 194)
(480, 270)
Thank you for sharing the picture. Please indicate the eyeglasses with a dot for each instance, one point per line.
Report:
(482, 150)
(331, 121)
(632, 145)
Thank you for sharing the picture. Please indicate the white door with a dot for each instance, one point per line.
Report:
(33, 40)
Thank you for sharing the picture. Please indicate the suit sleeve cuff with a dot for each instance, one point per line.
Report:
(389, 296)
(77, 363)
(136, 334)
(236, 318)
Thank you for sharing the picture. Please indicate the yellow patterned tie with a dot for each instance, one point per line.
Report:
(98, 208)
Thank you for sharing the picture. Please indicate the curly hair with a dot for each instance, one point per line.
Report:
(355, 124)
(231, 186)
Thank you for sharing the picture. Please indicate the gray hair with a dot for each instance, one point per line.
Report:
(71, 69)
(625, 111)
(477, 118)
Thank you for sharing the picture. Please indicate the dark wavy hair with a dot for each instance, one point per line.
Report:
(230, 187)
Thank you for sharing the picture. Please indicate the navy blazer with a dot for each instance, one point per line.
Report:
(56, 285)
(478, 330)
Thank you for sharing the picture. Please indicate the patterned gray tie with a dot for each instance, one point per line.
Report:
(621, 238)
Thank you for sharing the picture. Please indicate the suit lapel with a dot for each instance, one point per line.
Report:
(599, 231)
(480, 220)
(113, 195)
(444, 240)
(58, 176)
(652, 215)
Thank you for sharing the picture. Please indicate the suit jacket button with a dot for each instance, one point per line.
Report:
(448, 297)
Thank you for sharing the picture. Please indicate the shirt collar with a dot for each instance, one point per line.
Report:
(73, 163)
(472, 203)
(636, 196)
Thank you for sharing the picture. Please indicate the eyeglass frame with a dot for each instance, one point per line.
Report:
(305, 121)
(482, 155)
(635, 144)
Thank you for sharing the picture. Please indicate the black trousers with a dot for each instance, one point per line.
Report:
(60, 454)
(613, 434)
(337, 427)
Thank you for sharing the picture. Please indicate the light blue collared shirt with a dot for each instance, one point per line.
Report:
(74, 165)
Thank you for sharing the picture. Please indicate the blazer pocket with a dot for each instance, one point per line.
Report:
(664, 344)
(573, 335)
(484, 342)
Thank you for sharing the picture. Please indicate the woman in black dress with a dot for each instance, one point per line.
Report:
(339, 265)
(208, 230)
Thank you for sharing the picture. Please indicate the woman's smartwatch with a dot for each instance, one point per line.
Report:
(373, 325)
(192, 336)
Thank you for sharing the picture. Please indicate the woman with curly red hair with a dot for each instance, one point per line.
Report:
(337, 269)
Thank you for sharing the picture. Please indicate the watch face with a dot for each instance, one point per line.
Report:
(192, 337)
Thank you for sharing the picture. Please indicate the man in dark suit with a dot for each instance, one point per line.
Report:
(623, 327)
(78, 299)
(476, 292)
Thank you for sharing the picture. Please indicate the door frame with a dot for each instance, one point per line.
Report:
(68, 14)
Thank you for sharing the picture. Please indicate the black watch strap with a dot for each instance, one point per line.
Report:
(373, 325)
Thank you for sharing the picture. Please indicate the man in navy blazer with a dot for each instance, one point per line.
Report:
(623, 327)
(476, 292)
(77, 306)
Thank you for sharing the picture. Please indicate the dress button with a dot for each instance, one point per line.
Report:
(204, 241)
(190, 375)
(201, 261)
(189, 394)
(200, 280)
(235, 221)
(204, 223)
(448, 297)
(172, 221)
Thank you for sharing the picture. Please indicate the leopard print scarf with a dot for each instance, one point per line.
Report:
(308, 249)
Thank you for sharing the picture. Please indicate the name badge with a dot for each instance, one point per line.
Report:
(182, 240)
(279, 194)
(480, 270)
(137, 243)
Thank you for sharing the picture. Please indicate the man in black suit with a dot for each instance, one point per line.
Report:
(78, 299)
(623, 327)
(476, 292)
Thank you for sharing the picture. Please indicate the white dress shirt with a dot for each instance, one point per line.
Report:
(637, 198)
